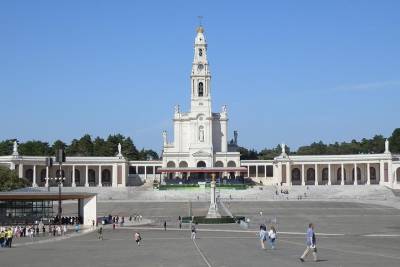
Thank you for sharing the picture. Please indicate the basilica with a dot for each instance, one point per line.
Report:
(200, 147)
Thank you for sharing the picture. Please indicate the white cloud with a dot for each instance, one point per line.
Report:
(372, 86)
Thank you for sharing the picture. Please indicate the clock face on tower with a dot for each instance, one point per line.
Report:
(200, 66)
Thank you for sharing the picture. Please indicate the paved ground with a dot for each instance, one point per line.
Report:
(349, 234)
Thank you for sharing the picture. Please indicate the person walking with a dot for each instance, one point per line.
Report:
(311, 243)
(138, 238)
(100, 233)
(193, 235)
(272, 236)
(9, 236)
(165, 225)
(262, 236)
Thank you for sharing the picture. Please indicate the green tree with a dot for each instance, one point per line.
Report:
(6, 147)
(394, 141)
(81, 147)
(34, 148)
(246, 154)
(10, 181)
(57, 145)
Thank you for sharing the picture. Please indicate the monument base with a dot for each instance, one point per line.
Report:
(213, 212)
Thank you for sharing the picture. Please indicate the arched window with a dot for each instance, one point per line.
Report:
(200, 52)
(183, 164)
(171, 164)
(92, 177)
(29, 174)
(106, 176)
(372, 173)
(398, 175)
(310, 176)
(43, 175)
(77, 176)
(231, 164)
(296, 176)
(201, 164)
(201, 134)
(325, 174)
(219, 164)
(201, 89)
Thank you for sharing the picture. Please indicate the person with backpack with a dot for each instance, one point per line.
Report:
(272, 236)
(311, 243)
(262, 235)
(138, 238)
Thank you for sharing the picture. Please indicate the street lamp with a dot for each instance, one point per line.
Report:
(60, 158)
(59, 180)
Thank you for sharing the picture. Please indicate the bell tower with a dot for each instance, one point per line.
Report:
(200, 76)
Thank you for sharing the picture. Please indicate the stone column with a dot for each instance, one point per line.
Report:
(123, 175)
(342, 173)
(329, 174)
(316, 174)
(303, 178)
(390, 173)
(381, 172)
(224, 140)
(265, 171)
(256, 171)
(87, 176)
(248, 170)
(368, 174)
(73, 176)
(288, 174)
(145, 173)
(355, 182)
(100, 184)
(21, 170)
(154, 172)
(47, 176)
(114, 177)
(34, 184)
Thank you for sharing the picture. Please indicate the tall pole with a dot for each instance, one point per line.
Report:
(59, 195)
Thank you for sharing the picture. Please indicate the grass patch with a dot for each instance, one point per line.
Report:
(192, 186)
(204, 220)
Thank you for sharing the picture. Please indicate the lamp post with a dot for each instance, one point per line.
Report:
(60, 158)
(59, 181)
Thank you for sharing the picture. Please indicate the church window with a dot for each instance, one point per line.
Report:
(200, 52)
(201, 90)
(201, 134)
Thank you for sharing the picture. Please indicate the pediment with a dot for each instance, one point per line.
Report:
(201, 153)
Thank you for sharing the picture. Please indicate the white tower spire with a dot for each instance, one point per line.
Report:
(200, 77)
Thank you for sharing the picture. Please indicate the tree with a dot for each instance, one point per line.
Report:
(34, 148)
(56, 146)
(246, 154)
(81, 147)
(394, 141)
(6, 147)
(10, 181)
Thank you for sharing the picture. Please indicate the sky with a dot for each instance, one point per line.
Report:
(289, 71)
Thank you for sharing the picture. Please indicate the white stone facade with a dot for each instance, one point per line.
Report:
(200, 135)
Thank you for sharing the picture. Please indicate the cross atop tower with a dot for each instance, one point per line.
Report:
(200, 19)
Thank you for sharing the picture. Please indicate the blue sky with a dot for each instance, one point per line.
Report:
(289, 71)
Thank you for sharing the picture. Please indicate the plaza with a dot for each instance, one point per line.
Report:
(343, 239)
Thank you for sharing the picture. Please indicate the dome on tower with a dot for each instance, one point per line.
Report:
(200, 29)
